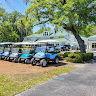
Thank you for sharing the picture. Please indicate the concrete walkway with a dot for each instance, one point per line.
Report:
(81, 82)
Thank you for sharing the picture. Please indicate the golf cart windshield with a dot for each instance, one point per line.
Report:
(15, 50)
(7, 49)
(41, 49)
(26, 51)
(1, 49)
(45, 49)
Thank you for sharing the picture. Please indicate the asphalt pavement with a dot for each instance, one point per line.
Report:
(80, 82)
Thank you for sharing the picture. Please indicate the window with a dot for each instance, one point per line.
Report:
(93, 45)
(47, 34)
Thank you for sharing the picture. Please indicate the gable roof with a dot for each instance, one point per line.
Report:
(92, 38)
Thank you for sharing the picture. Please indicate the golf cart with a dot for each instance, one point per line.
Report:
(1, 49)
(46, 54)
(16, 53)
(6, 50)
(28, 53)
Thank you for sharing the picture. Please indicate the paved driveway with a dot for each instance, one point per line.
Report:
(81, 82)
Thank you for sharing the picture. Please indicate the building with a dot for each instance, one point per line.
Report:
(64, 38)
(91, 45)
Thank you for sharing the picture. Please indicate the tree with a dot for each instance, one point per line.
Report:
(2, 11)
(42, 30)
(14, 26)
(8, 29)
(72, 15)
(24, 25)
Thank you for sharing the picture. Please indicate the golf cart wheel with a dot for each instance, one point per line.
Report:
(33, 62)
(1, 58)
(27, 61)
(5, 58)
(10, 60)
(15, 60)
(43, 63)
(19, 60)
(56, 60)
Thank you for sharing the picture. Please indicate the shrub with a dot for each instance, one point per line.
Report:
(66, 54)
(87, 56)
(60, 55)
(75, 58)
(79, 57)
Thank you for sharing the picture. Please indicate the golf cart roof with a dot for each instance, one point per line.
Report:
(48, 41)
(6, 43)
(26, 43)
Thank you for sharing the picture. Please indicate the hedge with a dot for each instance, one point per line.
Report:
(66, 54)
(75, 58)
(78, 57)
(60, 55)
(87, 56)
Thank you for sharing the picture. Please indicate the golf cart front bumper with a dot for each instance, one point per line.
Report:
(36, 61)
(11, 58)
(2, 57)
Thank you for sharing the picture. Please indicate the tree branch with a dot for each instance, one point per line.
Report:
(43, 22)
(65, 26)
(63, 2)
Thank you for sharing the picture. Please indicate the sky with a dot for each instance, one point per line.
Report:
(12, 5)
(18, 5)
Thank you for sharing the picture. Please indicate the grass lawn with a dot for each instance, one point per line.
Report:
(14, 84)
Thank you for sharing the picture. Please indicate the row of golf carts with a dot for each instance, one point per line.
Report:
(35, 53)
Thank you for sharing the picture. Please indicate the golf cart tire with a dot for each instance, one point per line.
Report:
(5, 58)
(15, 60)
(10, 60)
(19, 60)
(27, 61)
(43, 63)
(33, 62)
(56, 61)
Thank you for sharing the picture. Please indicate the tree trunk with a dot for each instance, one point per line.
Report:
(79, 40)
(81, 43)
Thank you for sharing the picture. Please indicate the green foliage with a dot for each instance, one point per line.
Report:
(11, 27)
(79, 57)
(42, 30)
(77, 13)
(74, 15)
(60, 55)
(89, 31)
(2, 11)
(75, 58)
(87, 56)
(66, 54)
